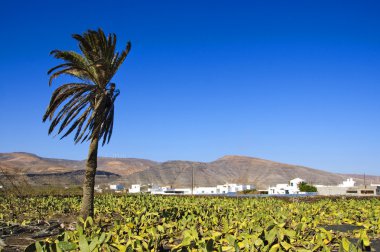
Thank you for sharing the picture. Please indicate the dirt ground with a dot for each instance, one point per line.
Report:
(15, 237)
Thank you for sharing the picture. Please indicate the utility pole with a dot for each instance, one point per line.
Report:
(192, 180)
(365, 184)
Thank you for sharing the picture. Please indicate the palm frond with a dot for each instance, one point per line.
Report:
(75, 65)
(86, 108)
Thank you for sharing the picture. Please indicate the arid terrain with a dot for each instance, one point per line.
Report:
(232, 169)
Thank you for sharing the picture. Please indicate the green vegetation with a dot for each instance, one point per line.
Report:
(249, 191)
(305, 187)
(87, 105)
(178, 223)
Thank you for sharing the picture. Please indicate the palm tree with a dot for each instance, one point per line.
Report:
(86, 106)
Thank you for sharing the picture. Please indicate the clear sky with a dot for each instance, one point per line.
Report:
(290, 81)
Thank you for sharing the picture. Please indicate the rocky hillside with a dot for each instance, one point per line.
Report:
(236, 169)
(21, 163)
(62, 179)
(232, 169)
(26, 163)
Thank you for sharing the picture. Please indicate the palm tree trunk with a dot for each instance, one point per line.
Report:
(87, 208)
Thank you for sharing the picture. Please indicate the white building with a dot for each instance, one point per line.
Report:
(348, 188)
(226, 188)
(136, 188)
(170, 191)
(348, 183)
(98, 189)
(205, 190)
(222, 189)
(233, 188)
(291, 188)
(202, 190)
(117, 187)
(340, 189)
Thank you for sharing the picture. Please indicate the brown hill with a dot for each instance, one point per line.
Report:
(26, 163)
(124, 166)
(70, 178)
(236, 169)
(232, 169)
(29, 169)
(21, 163)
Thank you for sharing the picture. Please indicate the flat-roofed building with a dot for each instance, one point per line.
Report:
(136, 188)
(290, 188)
(348, 188)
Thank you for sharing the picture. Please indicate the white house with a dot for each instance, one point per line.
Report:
(340, 189)
(348, 183)
(232, 188)
(221, 189)
(169, 191)
(205, 190)
(291, 188)
(134, 188)
(117, 187)
(202, 190)
(157, 189)
(348, 188)
(98, 189)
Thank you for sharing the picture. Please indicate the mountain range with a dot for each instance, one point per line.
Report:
(35, 170)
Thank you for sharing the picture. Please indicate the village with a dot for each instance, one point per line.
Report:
(292, 188)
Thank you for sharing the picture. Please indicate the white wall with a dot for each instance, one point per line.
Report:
(348, 183)
(291, 188)
(135, 188)
(331, 190)
(116, 187)
(205, 190)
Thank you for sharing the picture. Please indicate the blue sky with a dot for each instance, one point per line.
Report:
(290, 81)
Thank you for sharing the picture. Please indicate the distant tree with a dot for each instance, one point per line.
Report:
(86, 106)
(305, 187)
